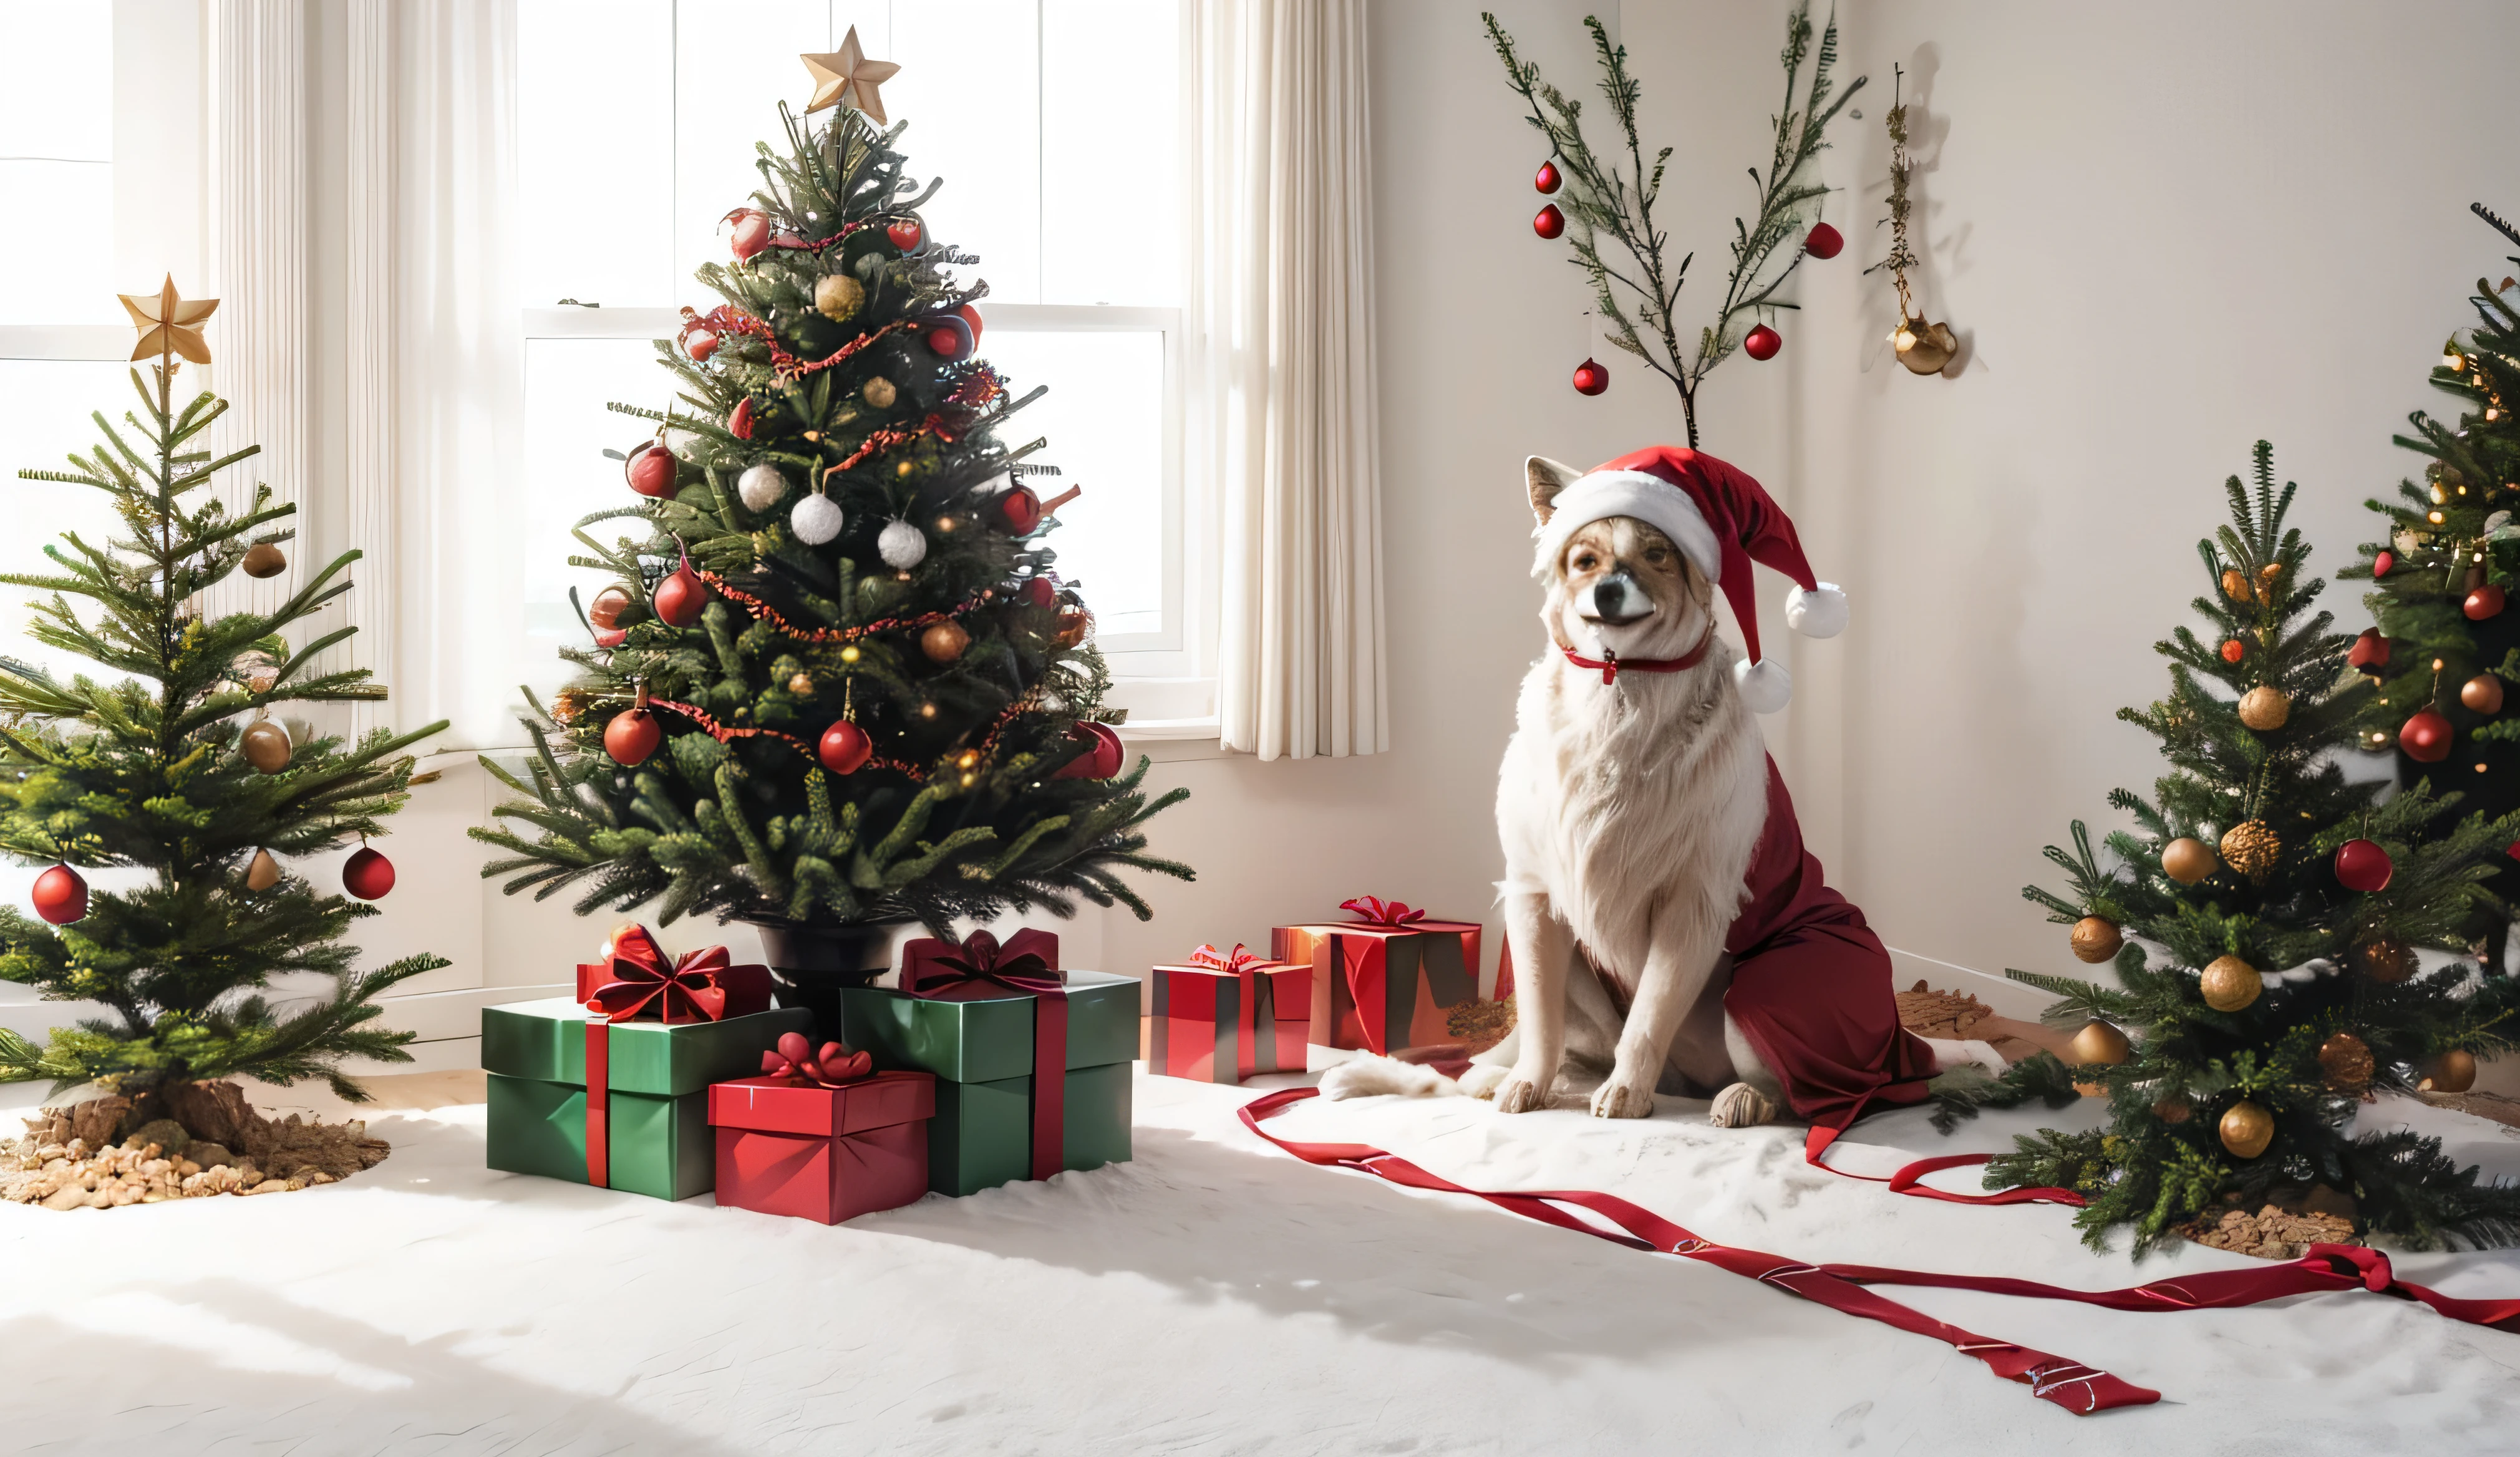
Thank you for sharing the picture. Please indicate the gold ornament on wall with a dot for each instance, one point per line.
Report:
(1923, 346)
(2228, 983)
(2095, 939)
(2251, 849)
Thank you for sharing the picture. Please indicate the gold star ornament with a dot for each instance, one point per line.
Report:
(169, 324)
(848, 76)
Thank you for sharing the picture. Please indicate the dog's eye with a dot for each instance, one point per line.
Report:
(1586, 561)
(1657, 555)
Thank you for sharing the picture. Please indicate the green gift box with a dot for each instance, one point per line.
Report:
(981, 1044)
(647, 1133)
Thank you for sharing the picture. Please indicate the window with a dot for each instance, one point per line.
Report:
(1052, 125)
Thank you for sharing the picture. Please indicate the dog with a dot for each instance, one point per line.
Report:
(1670, 934)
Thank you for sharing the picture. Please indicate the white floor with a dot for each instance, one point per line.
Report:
(1213, 1296)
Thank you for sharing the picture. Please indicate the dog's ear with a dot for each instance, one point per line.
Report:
(1546, 477)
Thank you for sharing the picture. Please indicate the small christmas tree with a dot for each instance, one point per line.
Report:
(2260, 919)
(837, 681)
(2446, 648)
(178, 770)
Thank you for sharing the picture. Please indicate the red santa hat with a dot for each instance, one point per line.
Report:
(1722, 521)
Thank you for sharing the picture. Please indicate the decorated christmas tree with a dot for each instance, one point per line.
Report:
(2260, 919)
(836, 680)
(177, 768)
(2445, 649)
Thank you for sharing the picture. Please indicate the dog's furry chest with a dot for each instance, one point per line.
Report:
(1631, 803)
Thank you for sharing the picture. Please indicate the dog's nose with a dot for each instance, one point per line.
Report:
(1619, 598)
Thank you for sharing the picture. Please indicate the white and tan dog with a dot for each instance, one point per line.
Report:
(1634, 800)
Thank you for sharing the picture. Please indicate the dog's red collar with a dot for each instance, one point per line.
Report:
(1610, 664)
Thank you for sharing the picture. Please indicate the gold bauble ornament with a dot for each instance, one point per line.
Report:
(801, 685)
(2173, 1111)
(263, 873)
(2454, 1071)
(879, 392)
(2236, 584)
(2265, 709)
(2345, 1059)
(2386, 960)
(1925, 347)
(838, 296)
(2186, 860)
(1074, 624)
(2095, 939)
(944, 642)
(2251, 849)
(2482, 693)
(2099, 1045)
(265, 745)
(2247, 1130)
(261, 559)
(2230, 983)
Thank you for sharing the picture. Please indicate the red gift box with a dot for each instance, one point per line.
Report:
(1222, 1017)
(1385, 980)
(633, 981)
(828, 1153)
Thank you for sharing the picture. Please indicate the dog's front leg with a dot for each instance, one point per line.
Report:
(1680, 961)
(1542, 949)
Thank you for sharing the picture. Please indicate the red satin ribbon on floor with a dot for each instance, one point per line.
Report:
(1909, 1179)
(2078, 1389)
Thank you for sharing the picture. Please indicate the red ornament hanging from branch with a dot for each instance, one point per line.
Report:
(61, 895)
(1592, 378)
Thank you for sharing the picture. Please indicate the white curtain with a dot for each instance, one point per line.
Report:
(1278, 327)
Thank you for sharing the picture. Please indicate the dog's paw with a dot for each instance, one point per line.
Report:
(1482, 1081)
(1621, 1098)
(1741, 1105)
(1520, 1094)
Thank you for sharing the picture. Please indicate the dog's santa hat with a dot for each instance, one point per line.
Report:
(1722, 521)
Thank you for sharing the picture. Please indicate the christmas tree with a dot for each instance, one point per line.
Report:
(2445, 647)
(177, 769)
(2261, 918)
(836, 680)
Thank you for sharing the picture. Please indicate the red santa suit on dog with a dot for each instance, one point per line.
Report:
(1811, 984)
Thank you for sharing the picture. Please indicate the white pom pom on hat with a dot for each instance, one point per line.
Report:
(1722, 521)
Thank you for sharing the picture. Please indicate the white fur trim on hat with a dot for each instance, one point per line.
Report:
(1648, 498)
(1764, 686)
(1821, 613)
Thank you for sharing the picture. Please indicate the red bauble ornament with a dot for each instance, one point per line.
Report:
(1590, 378)
(61, 895)
(905, 234)
(1038, 592)
(1762, 342)
(1100, 761)
(2381, 564)
(1548, 222)
(680, 598)
(367, 875)
(951, 337)
(739, 421)
(700, 344)
(751, 231)
(1020, 512)
(844, 749)
(2369, 653)
(1823, 242)
(2425, 738)
(2233, 650)
(971, 313)
(1547, 179)
(2483, 602)
(2363, 866)
(632, 736)
(650, 469)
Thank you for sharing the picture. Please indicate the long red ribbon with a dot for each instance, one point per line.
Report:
(598, 1098)
(2077, 1387)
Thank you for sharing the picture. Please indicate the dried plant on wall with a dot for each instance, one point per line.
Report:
(1922, 346)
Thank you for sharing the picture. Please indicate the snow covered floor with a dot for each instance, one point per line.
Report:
(1213, 1296)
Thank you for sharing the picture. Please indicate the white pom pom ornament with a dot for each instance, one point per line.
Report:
(816, 519)
(1766, 687)
(901, 545)
(760, 486)
(1819, 614)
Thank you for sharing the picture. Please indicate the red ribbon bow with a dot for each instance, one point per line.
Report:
(1239, 958)
(1373, 910)
(686, 991)
(802, 1064)
(982, 959)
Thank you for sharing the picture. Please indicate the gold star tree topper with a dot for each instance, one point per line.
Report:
(169, 324)
(848, 76)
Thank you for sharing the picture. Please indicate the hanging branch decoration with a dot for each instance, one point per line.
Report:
(1922, 346)
(1607, 213)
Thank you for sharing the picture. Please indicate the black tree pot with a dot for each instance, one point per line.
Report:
(810, 965)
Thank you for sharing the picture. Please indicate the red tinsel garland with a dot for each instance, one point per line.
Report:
(723, 733)
(763, 611)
